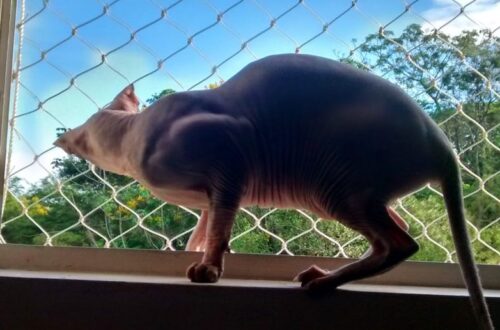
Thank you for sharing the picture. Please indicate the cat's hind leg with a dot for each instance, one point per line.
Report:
(196, 242)
(390, 244)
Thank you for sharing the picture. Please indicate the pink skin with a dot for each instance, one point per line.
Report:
(290, 131)
(196, 242)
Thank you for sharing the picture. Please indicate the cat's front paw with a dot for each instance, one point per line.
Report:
(203, 273)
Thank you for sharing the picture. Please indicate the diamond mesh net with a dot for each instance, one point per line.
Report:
(71, 57)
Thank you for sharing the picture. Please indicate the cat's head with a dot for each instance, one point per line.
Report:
(83, 141)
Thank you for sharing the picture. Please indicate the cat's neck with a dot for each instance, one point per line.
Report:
(117, 139)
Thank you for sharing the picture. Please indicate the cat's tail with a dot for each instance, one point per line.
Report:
(452, 190)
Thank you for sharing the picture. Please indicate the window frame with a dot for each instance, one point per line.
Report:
(64, 260)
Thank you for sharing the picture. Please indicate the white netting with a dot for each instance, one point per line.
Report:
(72, 57)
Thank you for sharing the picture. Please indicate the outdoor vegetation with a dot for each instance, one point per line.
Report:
(56, 208)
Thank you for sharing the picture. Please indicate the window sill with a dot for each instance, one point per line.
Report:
(81, 288)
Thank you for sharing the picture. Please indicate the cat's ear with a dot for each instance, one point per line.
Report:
(126, 100)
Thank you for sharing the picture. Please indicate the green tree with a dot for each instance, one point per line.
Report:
(156, 96)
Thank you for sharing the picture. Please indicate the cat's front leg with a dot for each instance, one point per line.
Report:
(224, 203)
(219, 225)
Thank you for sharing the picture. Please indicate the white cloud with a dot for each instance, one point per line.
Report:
(479, 15)
(22, 165)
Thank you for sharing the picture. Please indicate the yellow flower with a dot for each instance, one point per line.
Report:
(38, 209)
(121, 210)
(132, 203)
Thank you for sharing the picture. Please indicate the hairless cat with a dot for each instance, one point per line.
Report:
(288, 131)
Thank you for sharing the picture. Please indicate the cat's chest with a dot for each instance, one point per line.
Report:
(197, 199)
(187, 198)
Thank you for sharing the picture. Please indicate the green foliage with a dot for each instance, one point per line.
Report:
(84, 201)
(155, 97)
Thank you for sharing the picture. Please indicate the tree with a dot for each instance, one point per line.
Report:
(156, 96)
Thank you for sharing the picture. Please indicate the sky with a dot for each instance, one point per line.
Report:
(52, 56)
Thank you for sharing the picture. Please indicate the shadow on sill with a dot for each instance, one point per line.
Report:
(72, 303)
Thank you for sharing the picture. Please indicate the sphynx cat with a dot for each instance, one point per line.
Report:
(287, 131)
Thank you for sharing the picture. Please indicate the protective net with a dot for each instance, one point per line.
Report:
(72, 57)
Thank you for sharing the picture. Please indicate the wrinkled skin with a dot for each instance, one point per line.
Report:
(290, 131)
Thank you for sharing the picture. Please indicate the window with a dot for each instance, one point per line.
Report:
(71, 58)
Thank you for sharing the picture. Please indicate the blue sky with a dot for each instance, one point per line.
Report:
(186, 65)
